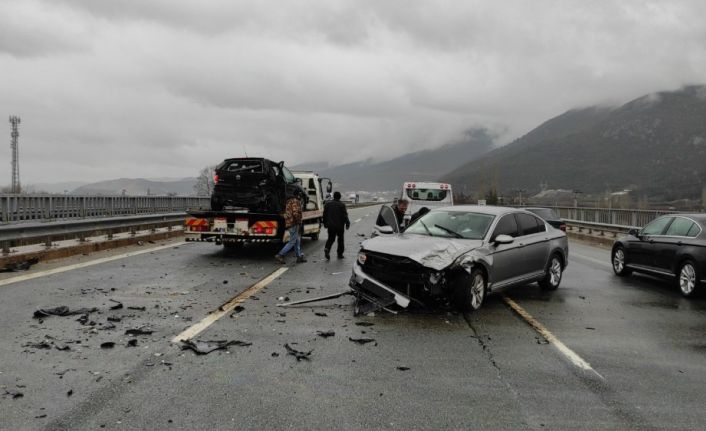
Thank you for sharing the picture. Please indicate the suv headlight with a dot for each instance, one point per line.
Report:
(362, 257)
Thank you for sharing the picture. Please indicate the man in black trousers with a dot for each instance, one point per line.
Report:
(335, 219)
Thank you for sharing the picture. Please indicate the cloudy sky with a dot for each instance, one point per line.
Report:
(160, 88)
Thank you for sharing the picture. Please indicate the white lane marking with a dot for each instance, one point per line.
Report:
(356, 221)
(551, 338)
(591, 259)
(84, 264)
(227, 307)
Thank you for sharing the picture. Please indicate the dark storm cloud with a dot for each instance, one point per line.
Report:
(161, 88)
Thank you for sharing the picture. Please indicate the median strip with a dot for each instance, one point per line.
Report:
(227, 307)
(551, 338)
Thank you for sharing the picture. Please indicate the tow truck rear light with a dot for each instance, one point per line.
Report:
(215, 178)
(193, 224)
(266, 228)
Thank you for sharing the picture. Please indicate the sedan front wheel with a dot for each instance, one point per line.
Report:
(688, 279)
(470, 290)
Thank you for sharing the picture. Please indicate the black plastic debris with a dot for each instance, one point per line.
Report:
(275, 355)
(206, 347)
(70, 392)
(40, 345)
(107, 345)
(83, 319)
(320, 314)
(20, 266)
(13, 393)
(362, 340)
(118, 305)
(297, 353)
(137, 308)
(107, 327)
(364, 324)
(62, 311)
(402, 368)
(114, 319)
(62, 347)
(325, 334)
(139, 331)
(132, 343)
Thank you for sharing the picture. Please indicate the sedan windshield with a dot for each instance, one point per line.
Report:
(452, 224)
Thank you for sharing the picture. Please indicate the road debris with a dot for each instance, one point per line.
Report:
(107, 345)
(70, 392)
(118, 305)
(317, 299)
(297, 353)
(403, 368)
(131, 343)
(139, 331)
(320, 314)
(40, 345)
(137, 308)
(325, 334)
(206, 347)
(20, 266)
(62, 310)
(13, 393)
(362, 340)
(364, 324)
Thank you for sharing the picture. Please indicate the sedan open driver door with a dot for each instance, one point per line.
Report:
(386, 223)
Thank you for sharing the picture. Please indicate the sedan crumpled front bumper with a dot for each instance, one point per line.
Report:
(375, 291)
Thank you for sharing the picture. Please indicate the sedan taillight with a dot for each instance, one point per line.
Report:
(562, 227)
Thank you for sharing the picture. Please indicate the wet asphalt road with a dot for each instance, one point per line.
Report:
(488, 370)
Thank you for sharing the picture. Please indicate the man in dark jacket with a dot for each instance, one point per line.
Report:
(399, 208)
(335, 219)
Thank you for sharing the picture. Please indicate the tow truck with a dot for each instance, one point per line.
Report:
(248, 201)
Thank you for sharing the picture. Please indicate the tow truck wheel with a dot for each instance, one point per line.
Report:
(470, 290)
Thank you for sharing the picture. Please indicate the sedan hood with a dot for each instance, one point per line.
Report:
(432, 252)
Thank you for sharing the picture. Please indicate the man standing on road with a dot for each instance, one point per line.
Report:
(335, 219)
(292, 222)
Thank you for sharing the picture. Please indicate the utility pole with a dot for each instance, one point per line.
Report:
(15, 187)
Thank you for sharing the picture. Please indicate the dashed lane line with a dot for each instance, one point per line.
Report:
(572, 356)
(227, 307)
(591, 259)
(61, 269)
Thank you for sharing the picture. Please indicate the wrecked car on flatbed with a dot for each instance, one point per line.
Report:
(459, 254)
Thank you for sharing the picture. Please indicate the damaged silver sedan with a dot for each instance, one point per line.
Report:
(456, 254)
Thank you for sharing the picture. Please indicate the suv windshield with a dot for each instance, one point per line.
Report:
(452, 224)
(427, 194)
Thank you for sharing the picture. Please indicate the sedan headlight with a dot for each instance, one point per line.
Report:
(362, 257)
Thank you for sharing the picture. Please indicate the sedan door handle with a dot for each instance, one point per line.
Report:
(680, 243)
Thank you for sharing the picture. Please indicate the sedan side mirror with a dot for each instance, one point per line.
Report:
(634, 232)
(503, 239)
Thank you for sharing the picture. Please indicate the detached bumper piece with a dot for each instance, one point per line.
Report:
(372, 295)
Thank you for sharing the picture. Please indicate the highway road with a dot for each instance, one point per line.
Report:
(622, 353)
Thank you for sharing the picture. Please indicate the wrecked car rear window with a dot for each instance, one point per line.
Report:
(245, 166)
(452, 224)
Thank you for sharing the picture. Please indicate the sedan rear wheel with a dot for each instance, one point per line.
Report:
(688, 279)
(470, 291)
(618, 261)
(555, 270)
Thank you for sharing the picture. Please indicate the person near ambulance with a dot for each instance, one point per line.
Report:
(335, 219)
(399, 208)
(292, 222)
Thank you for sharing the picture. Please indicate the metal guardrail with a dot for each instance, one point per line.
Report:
(620, 218)
(15, 208)
(18, 234)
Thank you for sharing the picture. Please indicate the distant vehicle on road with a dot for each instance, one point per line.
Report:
(425, 194)
(549, 216)
(462, 253)
(672, 246)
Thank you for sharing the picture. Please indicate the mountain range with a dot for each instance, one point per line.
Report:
(654, 145)
(426, 165)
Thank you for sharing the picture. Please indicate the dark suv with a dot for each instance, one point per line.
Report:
(258, 184)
